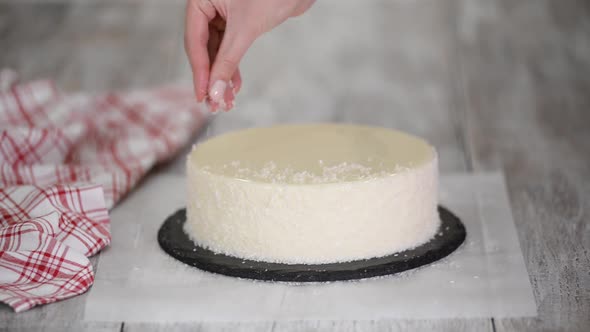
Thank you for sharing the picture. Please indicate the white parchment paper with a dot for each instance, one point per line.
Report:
(486, 277)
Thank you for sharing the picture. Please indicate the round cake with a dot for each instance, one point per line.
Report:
(312, 194)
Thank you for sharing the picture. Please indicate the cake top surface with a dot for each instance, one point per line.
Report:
(310, 154)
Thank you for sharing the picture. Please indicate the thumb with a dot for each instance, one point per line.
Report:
(233, 46)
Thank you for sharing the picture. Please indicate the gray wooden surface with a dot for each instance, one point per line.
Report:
(492, 83)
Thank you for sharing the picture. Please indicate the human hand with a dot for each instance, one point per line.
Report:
(217, 35)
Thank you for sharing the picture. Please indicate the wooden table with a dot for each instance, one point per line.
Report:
(494, 84)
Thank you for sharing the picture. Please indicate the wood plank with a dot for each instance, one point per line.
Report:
(93, 46)
(29, 24)
(451, 325)
(63, 326)
(526, 73)
(126, 45)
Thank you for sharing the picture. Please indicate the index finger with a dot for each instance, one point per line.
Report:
(195, 42)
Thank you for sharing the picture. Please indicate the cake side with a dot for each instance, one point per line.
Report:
(313, 223)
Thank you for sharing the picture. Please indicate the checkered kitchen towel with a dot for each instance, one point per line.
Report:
(64, 161)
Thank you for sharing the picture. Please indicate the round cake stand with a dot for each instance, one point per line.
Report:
(177, 244)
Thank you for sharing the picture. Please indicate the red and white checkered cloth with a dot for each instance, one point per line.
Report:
(64, 161)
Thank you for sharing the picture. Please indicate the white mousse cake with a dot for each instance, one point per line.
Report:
(312, 193)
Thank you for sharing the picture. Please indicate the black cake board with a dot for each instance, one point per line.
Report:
(177, 244)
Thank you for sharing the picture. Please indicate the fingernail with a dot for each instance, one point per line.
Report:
(217, 91)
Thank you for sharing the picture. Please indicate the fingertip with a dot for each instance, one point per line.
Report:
(221, 96)
(217, 91)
